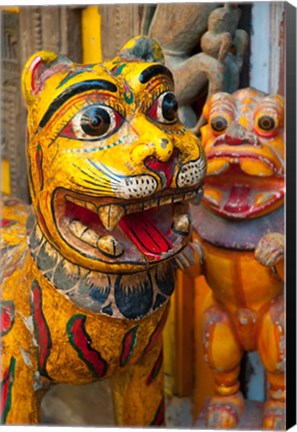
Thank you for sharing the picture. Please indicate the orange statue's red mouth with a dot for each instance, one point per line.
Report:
(234, 193)
(125, 232)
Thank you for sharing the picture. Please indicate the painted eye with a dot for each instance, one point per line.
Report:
(164, 109)
(266, 123)
(93, 123)
(219, 124)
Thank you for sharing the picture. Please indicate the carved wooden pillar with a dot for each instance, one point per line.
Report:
(12, 112)
(52, 28)
(32, 29)
(119, 23)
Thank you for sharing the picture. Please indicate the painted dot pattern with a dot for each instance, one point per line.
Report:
(191, 173)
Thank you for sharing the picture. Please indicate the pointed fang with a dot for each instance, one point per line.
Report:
(110, 215)
(109, 246)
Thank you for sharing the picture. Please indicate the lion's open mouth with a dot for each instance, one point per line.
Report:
(119, 231)
(237, 194)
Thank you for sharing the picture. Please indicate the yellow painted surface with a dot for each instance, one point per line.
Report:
(174, 373)
(11, 9)
(169, 347)
(91, 35)
(5, 176)
(184, 340)
(74, 158)
(204, 383)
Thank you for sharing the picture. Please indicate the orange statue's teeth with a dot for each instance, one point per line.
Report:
(214, 196)
(217, 166)
(264, 197)
(256, 167)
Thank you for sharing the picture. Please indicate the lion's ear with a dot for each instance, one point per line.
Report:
(38, 69)
(143, 48)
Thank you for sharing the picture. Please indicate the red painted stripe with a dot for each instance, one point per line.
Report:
(41, 329)
(129, 343)
(156, 369)
(6, 317)
(156, 333)
(4, 223)
(81, 342)
(159, 419)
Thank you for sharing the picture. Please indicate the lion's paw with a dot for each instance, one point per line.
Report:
(223, 412)
(270, 249)
(274, 415)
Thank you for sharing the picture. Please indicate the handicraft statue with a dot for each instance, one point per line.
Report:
(88, 272)
(240, 229)
(212, 31)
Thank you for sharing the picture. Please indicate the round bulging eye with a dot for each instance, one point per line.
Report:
(164, 109)
(219, 124)
(95, 121)
(266, 123)
(169, 107)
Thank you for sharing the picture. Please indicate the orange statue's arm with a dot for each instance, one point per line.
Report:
(270, 252)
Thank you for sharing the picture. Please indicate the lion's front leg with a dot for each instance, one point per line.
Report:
(20, 394)
(138, 392)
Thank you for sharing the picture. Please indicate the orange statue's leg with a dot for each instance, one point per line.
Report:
(223, 353)
(271, 346)
(138, 392)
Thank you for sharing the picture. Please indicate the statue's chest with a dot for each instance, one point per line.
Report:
(74, 345)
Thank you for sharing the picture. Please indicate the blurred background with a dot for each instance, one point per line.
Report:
(253, 56)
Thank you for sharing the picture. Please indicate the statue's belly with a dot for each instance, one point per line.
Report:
(237, 279)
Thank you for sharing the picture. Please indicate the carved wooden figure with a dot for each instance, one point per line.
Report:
(216, 68)
(86, 283)
(240, 231)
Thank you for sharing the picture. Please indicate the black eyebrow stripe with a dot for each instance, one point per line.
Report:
(73, 90)
(152, 71)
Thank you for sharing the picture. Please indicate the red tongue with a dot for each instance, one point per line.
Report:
(237, 201)
(145, 235)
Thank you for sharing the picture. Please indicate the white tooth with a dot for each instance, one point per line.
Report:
(154, 203)
(147, 205)
(110, 215)
(77, 228)
(177, 198)
(88, 205)
(83, 233)
(90, 237)
(109, 246)
(133, 208)
(181, 224)
(165, 200)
